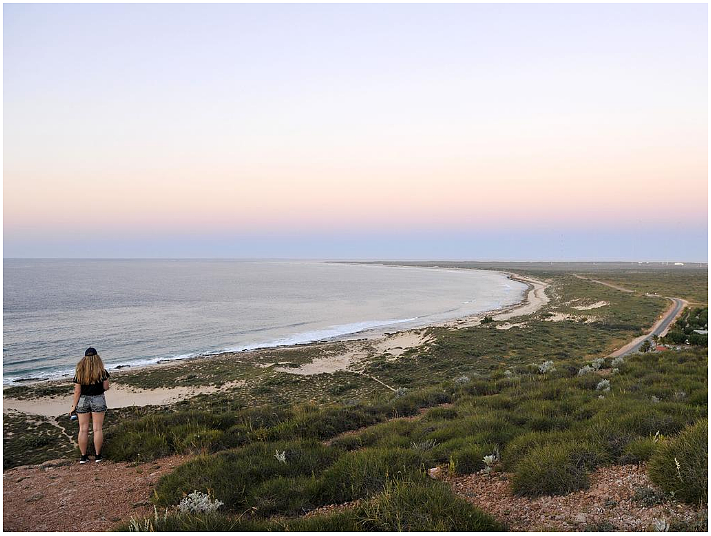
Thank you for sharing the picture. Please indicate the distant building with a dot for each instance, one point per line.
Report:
(678, 264)
(661, 348)
(701, 331)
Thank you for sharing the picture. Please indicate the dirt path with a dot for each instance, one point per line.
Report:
(67, 496)
(607, 505)
(375, 379)
(616, 287)
(62, 429)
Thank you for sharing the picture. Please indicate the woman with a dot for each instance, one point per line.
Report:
(91, 381)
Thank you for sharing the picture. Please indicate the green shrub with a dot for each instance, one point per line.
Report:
(129, 446)
(520, 446)
(364, 472)
(544, 423)
(348, 442)
(394, 441)
(587, 382)
(423, 506)
(554, 469)
(215, 522)
(499, 401)
(285, 495)
(469, 459)
(442, 451)
(328, 423)
(394, 433)
(542, 415)
(446, 432)
(204, 473)
(193, 438)
(491, 427)
(609, 436)
(261, 417)
(235, 436)
(638, 451)
(646, 420)
(230, 475)
(410, 403)
(410, 505)
(478, 388)
(341, 521)
(153, 436)
(680, 465)
(441, 414)
(699, 398)
(205, 419)
(552, 391)
(402, 407)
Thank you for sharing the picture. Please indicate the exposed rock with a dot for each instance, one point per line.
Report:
(581, 518)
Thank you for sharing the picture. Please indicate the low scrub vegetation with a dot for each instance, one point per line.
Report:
(365, 472)
(419, 506)
(32, 440)
(551, 431)
(680, 465)
(639, 450)
(234, 476)
(555, 469)
(403, 505)
(469, 458)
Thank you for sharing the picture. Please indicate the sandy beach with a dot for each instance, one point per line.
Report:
(333, 356)
(118, 396)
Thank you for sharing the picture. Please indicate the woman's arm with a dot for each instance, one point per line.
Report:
(77, 394)
(106, 385)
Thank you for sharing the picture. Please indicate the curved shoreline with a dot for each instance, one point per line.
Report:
(357, 348)
(333, 333)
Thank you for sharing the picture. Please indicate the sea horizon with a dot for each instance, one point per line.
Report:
(372, 260)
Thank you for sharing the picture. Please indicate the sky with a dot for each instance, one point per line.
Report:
(486, 132)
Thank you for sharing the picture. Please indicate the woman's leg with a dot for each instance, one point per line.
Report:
(83, 431)
(98, 422)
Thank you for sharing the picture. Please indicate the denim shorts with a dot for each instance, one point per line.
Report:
(94, 404)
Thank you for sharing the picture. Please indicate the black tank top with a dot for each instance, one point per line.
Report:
(94, 389)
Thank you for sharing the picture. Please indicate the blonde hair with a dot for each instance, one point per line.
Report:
(90, 370)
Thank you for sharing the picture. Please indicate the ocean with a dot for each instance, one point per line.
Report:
(138, 312)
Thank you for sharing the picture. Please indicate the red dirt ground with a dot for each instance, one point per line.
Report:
(67, 496)
(608, 500)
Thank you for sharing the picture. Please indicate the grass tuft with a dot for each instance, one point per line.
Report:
(365, 472)
(555, 469)
(680, 465)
